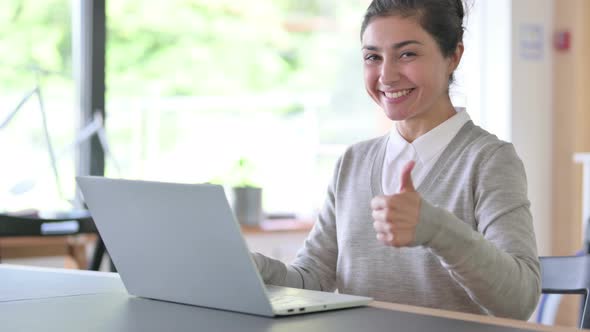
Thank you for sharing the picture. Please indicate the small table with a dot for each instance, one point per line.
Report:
(279, 226)
(46, 230)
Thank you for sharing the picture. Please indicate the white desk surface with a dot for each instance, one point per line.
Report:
(22, 283)
(39, 299)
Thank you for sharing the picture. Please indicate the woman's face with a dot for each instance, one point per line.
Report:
(404, 69)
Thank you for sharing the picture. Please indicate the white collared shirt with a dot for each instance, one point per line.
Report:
(425, 150)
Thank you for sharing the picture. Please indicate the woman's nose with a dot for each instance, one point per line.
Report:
(389, 73)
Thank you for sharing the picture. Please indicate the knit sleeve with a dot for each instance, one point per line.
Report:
(496, 263)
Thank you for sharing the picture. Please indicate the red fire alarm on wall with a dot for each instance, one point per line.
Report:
(562, 40)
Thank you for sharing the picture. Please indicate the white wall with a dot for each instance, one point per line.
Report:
(506, 81)
(483, 78)
(531, 105)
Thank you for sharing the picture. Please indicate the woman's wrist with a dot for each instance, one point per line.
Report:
(429, 224)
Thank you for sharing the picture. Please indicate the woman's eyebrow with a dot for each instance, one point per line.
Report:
(394, 46)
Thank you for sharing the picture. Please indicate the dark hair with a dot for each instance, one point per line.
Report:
(442, 19)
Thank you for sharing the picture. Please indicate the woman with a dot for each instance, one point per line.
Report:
(436, 213)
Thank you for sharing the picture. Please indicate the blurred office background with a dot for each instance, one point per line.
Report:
(191, 87)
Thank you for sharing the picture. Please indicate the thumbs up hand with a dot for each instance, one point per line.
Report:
(396, 216)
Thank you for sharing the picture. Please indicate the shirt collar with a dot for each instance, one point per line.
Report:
(397, 144)
(428, 145)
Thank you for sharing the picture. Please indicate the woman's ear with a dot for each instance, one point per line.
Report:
(456, 57)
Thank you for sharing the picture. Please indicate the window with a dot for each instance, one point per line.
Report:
(35, 43)
(195, 86)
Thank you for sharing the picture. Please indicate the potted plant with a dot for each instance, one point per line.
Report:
(246, 195)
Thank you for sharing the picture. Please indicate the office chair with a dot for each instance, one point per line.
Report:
(568, 275)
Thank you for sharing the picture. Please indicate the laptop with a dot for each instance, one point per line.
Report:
(181, 243)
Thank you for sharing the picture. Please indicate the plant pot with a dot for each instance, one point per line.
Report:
(247, 205)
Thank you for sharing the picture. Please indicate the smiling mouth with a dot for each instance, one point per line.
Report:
(397, 94)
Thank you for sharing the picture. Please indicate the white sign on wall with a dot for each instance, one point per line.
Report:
(530, 41)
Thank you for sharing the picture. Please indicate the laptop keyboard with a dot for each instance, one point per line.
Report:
(283, 297)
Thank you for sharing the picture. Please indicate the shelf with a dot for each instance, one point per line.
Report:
(279, 226)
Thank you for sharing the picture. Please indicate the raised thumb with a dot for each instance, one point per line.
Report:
(406, 183)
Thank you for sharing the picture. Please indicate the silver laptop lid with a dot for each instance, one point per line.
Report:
(176, 242)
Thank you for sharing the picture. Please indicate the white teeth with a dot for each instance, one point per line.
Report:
(397, 94)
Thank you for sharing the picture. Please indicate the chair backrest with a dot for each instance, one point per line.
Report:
(568, 275)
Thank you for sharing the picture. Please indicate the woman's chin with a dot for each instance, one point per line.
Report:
(395, 115)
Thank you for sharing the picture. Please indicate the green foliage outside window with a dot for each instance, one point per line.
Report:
(35, 34)
(178, 47)
(160, 50)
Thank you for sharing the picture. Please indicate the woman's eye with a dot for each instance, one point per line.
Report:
(371, 58)
(407, 55)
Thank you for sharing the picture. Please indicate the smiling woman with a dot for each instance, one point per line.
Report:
(436, 212)
(407, 73)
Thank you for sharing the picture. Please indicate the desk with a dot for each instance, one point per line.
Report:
(46, 234)
(72, 247)
(37, 299)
